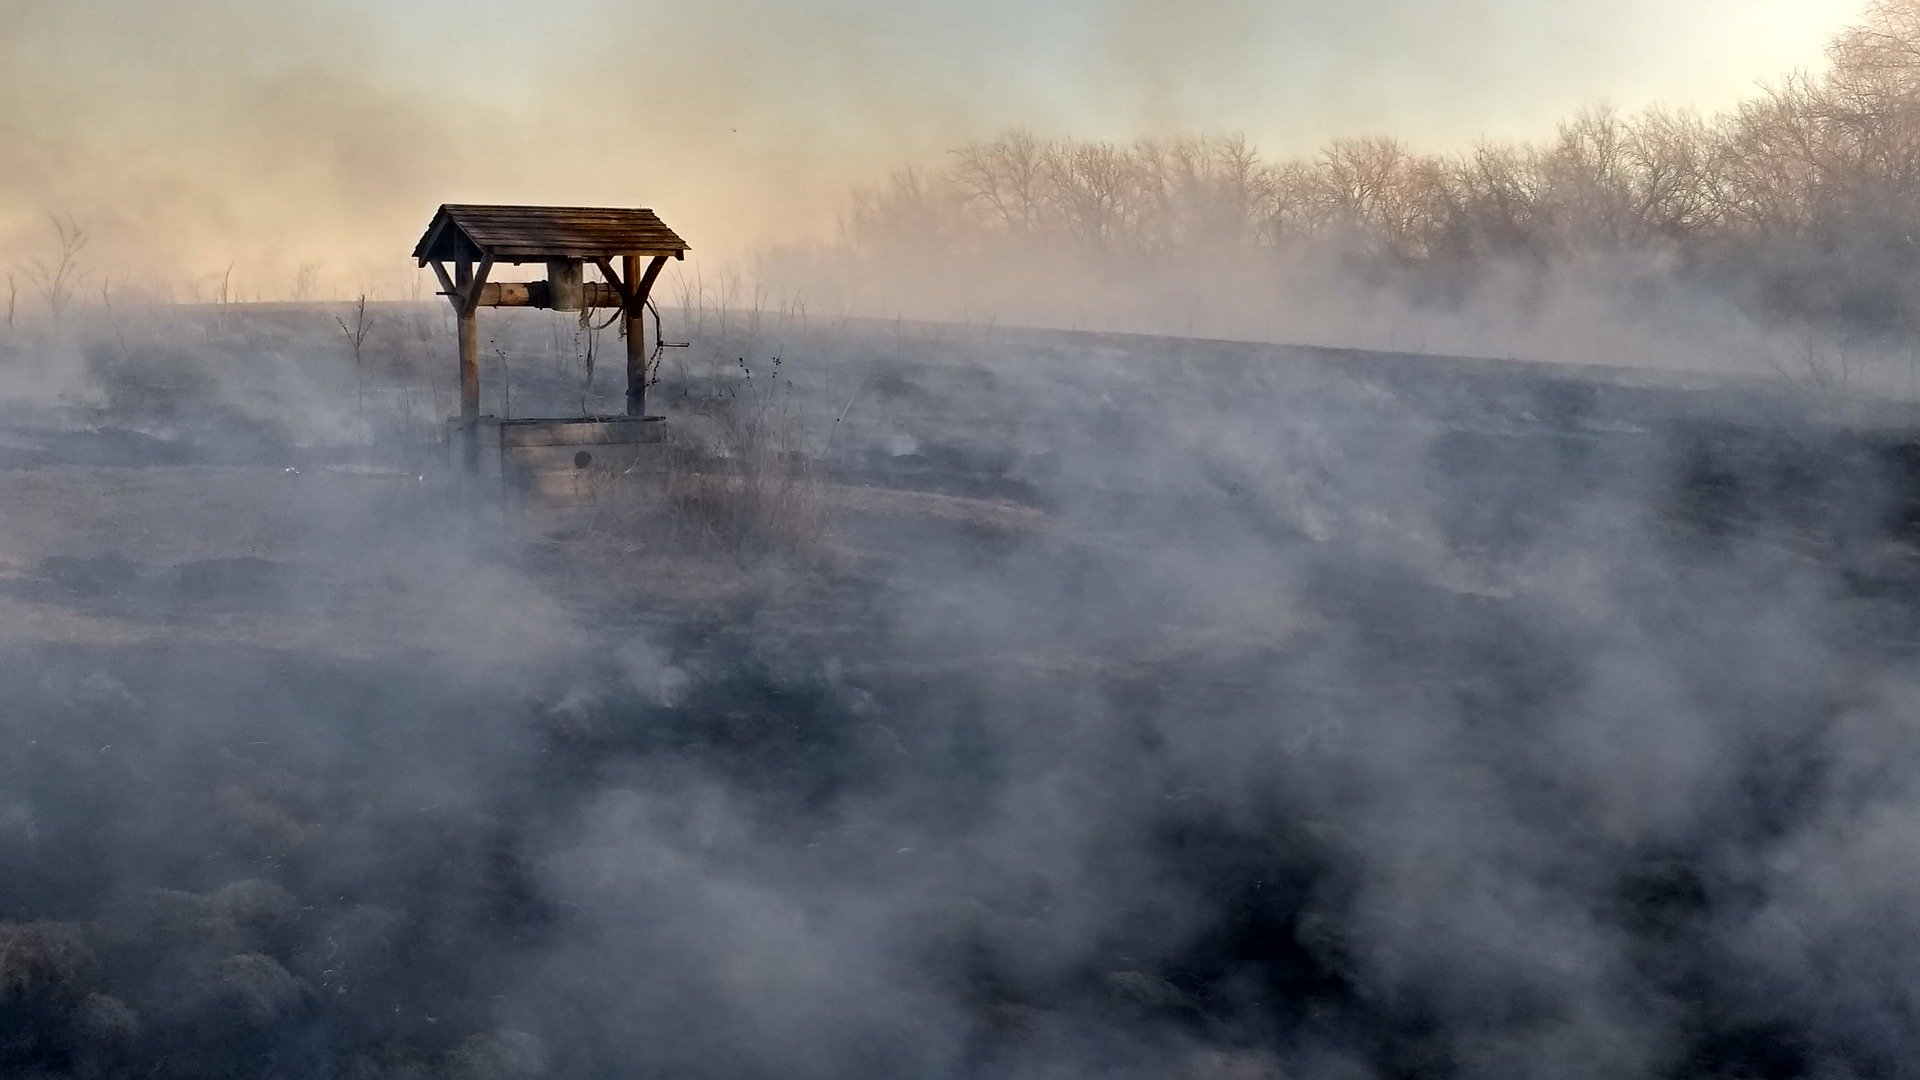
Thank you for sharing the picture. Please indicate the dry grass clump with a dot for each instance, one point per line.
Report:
(1235, 1065)
(258, 905)
(252, 989)
(106, 1022)
(498, 1055)
(242, 917)
(577, 719)
(738, 471)
(259, 818)
(40, 960)
(744, 500)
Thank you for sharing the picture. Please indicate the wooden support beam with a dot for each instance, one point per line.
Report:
(446, 283)
(469, 366)
(636, 326)
(613, 279)
(638, 288)
(645, 288)
(470, 294)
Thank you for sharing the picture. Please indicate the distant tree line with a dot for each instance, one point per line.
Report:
(1805, 198)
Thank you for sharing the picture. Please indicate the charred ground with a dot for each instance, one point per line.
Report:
(1141, 707)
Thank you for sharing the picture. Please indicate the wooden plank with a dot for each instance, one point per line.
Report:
(425, 248)
(619, 284)
(470, 296)
(534, 233)
(608, 431)
(584, 230)
(539, 459)
(585, 485)
(446, 283)
(530, 251)
(534, 294)
(645, 288)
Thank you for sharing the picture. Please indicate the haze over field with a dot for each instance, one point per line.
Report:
(986, 695)
(196, 134)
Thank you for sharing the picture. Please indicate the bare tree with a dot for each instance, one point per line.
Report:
(223, 300)
(306, 280)
(1869, 109)
(1807, 194)
(1381, 196)
(1097, 187)
(1671, 170)
(1494, 203)
(506, 381)
(113, 320)
(1295, 211)
(1210, 193)
(356, 333)
(912, 209)
(56, 277)
(1588, 201)
(1006, 178)
(1775, 163)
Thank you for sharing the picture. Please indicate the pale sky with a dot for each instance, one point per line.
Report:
(269, 132)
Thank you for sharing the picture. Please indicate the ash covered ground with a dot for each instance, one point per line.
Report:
(1125, 707)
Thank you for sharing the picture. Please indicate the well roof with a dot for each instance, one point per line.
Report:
(536, 233)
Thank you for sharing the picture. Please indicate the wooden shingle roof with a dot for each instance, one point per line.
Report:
(535, 233)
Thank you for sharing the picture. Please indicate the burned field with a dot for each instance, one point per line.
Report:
(1101, 705)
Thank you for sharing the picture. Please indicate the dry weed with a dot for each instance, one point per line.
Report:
(39, 959)
(734, 472)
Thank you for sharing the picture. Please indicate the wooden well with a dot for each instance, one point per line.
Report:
(566, 460)
(464, 242)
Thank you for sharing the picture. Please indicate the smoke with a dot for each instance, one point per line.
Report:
(1154, 707)
(273, 136)
(1145, 706)
(1622, 309)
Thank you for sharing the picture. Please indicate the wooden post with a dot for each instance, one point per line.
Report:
(469, 366)
(636, 337)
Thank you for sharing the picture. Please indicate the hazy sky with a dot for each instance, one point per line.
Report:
(271, 132)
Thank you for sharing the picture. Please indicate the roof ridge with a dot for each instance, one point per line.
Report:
(515, 232)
